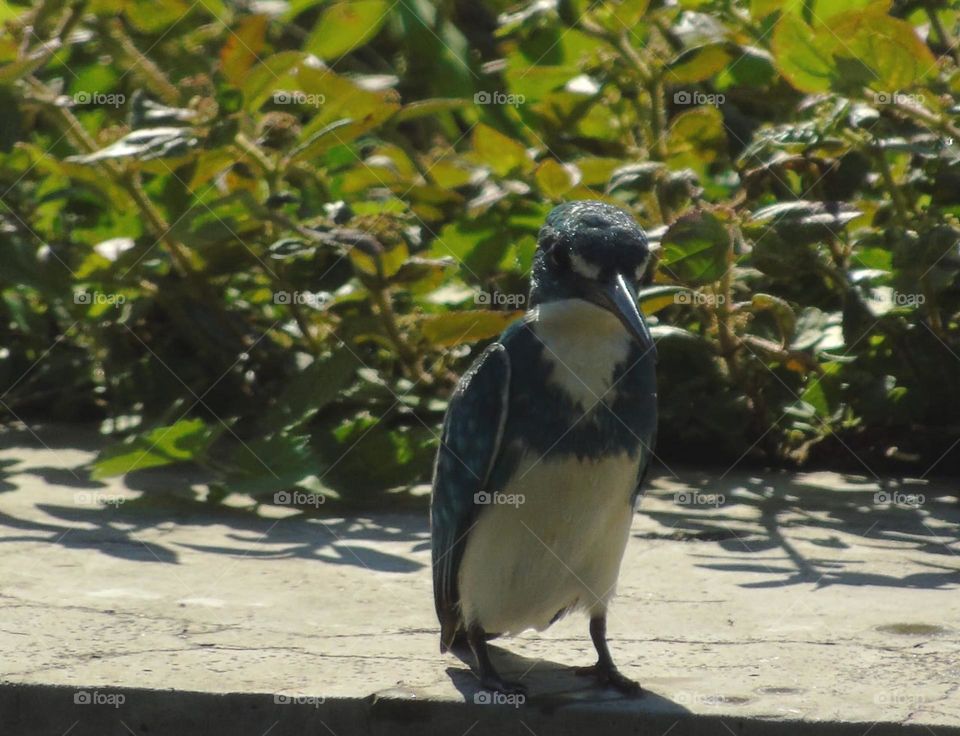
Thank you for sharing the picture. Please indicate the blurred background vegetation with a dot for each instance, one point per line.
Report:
(266, 237)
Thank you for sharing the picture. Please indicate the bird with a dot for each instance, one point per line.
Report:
(544, 449)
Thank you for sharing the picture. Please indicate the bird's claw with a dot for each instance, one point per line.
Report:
(610, 676)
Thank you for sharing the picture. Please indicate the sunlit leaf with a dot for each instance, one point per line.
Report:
(346, 25)
(456, 328)
(175, 443)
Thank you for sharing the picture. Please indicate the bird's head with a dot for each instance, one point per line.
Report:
(595, 252)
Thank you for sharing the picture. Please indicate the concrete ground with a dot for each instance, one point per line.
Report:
(749, 603)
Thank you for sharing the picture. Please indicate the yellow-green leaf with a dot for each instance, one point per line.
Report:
(699, 63)
(345, 26)
(556, 179)
(456, 328)
(242, 48)
(501, 153)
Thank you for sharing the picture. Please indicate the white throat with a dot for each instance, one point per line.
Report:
(584, 344)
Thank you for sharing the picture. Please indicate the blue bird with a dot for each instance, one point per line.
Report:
(545, 445)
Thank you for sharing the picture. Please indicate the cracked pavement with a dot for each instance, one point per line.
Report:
(762, 595)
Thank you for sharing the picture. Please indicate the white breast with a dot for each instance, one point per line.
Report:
(584, 344)
(557, 546)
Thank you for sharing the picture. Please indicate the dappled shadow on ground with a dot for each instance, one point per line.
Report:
(774, 523)
(72, 510)
(787, 528)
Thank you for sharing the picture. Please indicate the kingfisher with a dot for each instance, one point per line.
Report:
(545, 445)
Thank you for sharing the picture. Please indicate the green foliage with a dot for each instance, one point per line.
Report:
(270, 242)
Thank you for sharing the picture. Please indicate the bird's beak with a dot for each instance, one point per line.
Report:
(620, 297)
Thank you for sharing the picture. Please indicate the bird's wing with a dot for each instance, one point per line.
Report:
(472, 433)
(647, 455)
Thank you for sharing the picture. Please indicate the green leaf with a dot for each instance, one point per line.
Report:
(654, 298)
(802, 55)
(501, 153)
(176, 443)
(888, 47)
(636, 177)
(856, 49)
(696, 139)
(457, 328)
(242, 48)
(699, 63)
(695, 248)
(802, 221)
(781, 310)
(345, 26)
(312, 389)
(277, 463)
(556, 179)
(144, 145)
(620, 15)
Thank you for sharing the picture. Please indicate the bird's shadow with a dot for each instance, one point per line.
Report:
(547, 683)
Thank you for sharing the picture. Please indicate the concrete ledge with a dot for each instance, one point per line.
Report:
(754, 603)
(43, 709)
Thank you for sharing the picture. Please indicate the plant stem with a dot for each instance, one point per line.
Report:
(407, 355)
(945, 38)
(899, 203)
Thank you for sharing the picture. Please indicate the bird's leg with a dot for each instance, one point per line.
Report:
(489, 679)
(605, 670)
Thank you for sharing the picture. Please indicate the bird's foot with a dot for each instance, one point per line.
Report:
(494, 683)
(608, 675)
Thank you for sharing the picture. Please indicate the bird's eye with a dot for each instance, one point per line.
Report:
(560, 258)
